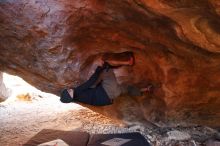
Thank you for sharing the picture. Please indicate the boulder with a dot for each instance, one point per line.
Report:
(55, 44)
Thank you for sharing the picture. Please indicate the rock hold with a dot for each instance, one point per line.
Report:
(178, 135)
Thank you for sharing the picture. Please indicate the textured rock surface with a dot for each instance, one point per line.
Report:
(53, 44)
(4, 92)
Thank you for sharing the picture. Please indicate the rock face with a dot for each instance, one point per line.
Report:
(4, 92)
(54, 44)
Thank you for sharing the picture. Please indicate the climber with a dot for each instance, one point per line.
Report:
(102, 87)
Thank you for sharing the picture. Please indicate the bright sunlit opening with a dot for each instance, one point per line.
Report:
(21, 92)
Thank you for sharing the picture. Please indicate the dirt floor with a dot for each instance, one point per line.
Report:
(28, 111)
(22, 120)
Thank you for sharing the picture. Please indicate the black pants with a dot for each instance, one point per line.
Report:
(94, 96)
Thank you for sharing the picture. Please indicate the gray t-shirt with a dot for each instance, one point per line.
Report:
(113, 89)
(110, 84)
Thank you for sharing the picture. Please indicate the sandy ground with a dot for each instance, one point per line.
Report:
(21, 119)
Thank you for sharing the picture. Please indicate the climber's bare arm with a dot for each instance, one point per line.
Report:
(120, 62)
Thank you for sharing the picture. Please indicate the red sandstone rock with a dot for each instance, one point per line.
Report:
(52, 45)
